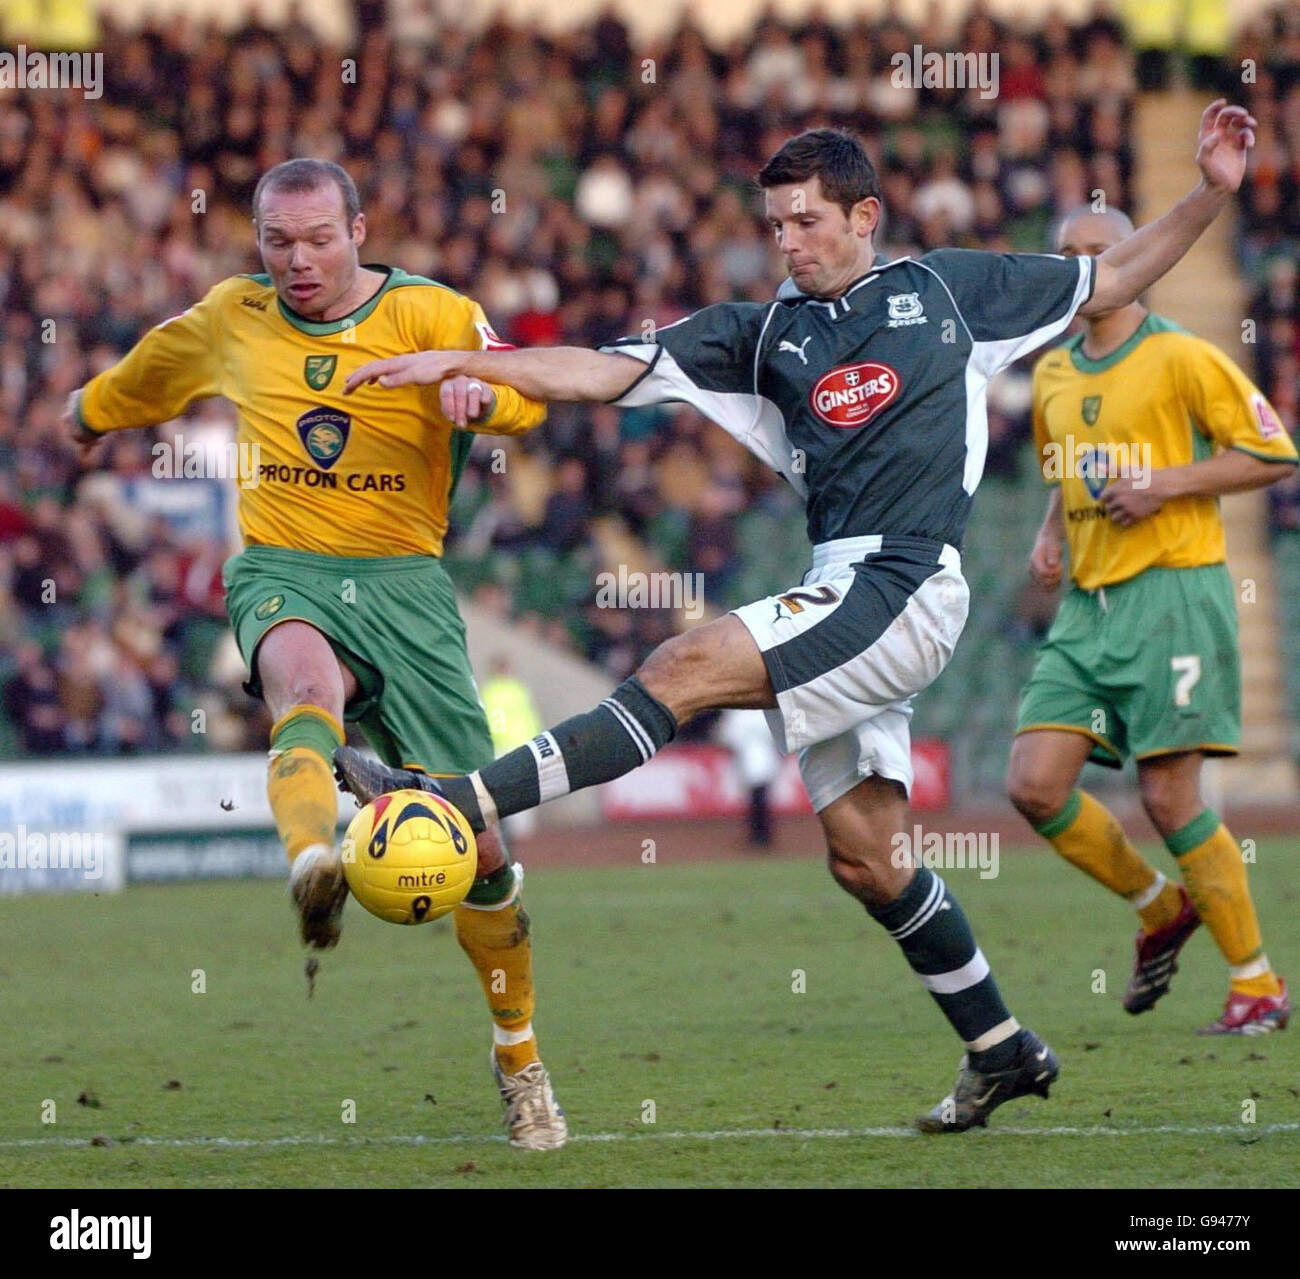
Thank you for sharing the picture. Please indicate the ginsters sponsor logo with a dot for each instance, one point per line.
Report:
(852, 394)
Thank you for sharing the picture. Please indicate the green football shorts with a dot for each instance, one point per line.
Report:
(1146, 667)
(395, 623)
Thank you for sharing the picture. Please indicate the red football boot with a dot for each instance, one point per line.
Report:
(1252, 1015)
(1154, 967)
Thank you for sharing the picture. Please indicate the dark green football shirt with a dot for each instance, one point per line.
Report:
(872, 405)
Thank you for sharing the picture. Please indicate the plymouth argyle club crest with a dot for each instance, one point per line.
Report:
(1091, 409)
(905, 308)
(317, 370)
(324, 434)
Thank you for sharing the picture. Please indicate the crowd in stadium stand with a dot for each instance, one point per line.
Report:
(1269, 231)
(577, 186)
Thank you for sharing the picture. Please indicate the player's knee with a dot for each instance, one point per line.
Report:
(1036, 795)
(670, 672)
(872, 880)
(313, 690)
(1169, 801)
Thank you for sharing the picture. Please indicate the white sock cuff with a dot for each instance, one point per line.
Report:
(1256, 968)
(992, 1038)
(307, 858)
(509, 1038)
(1149, 894)
(552, 774)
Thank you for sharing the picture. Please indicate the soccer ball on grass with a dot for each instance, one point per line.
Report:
(409, 857)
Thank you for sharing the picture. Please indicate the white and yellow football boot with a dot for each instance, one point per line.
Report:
(534, 1118)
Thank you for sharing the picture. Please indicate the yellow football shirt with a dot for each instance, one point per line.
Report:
(1164, 398)
(369, 474)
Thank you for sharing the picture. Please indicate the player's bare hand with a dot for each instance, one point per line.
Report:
(423, 368)
(1046, 566)
(1126, 504)
(466, 400)
(70, 420)
(1227, 134)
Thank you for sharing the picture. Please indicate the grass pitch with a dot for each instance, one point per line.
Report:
(666, 992)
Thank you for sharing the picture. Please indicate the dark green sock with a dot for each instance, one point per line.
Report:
(931, 927)
(620, 734)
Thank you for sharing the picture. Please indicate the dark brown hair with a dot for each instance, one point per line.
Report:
(836, 157)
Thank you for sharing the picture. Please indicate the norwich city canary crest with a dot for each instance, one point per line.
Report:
(269, 608)
(318, 370)
(1091, 409)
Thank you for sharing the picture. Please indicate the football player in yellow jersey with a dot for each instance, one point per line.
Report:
(339, 601)
(1141, 426)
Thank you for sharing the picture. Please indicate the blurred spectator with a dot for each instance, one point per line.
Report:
(31, 702)
(746, 735)
(513, 720)
(1153, 30)
(564, 526)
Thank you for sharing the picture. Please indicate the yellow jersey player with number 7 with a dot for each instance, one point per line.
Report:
(1141, 426)
(339, 601)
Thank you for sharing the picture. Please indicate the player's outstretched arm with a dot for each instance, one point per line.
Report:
(1124, 271)
(557, 373)
(171, 366)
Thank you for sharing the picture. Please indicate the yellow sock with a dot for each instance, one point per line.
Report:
(1215, 875)
(300, 779)
(496, 940)
(1087, 835)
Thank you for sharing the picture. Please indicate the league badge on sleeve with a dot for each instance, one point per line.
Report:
(490, 341)
(1270, 425)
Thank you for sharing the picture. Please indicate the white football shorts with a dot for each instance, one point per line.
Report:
(874, 621)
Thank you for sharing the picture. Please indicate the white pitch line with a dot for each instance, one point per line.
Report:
(724, 1134)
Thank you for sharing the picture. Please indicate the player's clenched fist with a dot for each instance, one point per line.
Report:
(1045, 564)
(466, 400)
(70, 420)
(1126, 504)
